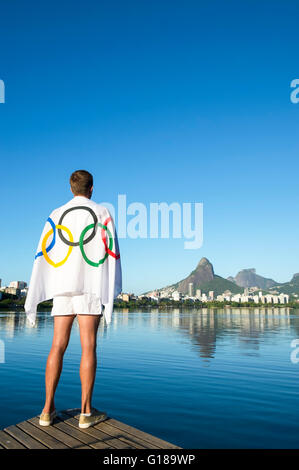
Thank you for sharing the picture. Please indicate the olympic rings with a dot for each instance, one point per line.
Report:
(101, 261)
(81, 242)
(114, 255)
(40, 253)
(59, 227)
(91, 236)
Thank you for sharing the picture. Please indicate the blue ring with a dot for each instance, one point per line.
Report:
(40, 253)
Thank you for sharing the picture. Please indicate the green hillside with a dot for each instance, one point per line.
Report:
(204, 278)
(289, 288)
(219, 285)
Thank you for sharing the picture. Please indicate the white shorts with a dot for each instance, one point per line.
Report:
(83, 304)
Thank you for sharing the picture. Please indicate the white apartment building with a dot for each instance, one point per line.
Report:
(198, 293)
(18, 284)
(268, 298)
(211, 295)
(176, 295)
(190, 289)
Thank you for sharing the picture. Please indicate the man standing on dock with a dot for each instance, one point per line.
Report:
(77, 263)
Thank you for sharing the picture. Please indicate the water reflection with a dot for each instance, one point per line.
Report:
(203, 327)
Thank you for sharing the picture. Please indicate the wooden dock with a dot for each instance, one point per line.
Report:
(65, 434)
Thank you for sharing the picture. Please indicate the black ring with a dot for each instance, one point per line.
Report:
(88, 239)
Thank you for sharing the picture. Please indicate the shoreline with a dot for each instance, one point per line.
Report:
(47, 306)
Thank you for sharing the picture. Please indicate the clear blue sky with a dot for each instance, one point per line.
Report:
(162, 101)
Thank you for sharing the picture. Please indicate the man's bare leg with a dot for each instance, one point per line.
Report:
(62, 330)
(88, 325)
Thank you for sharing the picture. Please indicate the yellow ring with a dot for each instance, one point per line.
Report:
(44, 242)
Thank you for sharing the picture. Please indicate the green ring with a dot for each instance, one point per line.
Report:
(82, 247)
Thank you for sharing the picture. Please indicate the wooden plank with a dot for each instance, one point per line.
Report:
(24, 438)
(133, 441)
(130, 430)
(129, 438)
(65, 433)
(42, 436)
(72, 428)
(60, 434)
(9, 442)
(114, 433)
(103, 440)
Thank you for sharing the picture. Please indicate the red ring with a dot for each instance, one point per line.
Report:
(103, 232)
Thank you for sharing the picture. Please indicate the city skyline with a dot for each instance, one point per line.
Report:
(9, 282)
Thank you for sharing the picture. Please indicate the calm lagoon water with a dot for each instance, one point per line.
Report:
(200, 379)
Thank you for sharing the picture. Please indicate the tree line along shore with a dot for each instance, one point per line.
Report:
(14, 303)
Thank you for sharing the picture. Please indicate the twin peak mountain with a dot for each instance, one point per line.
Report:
(204, 278)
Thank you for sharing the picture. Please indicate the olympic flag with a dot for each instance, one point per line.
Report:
(78, 252)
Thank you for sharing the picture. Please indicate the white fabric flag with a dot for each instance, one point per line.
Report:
(78, 253)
